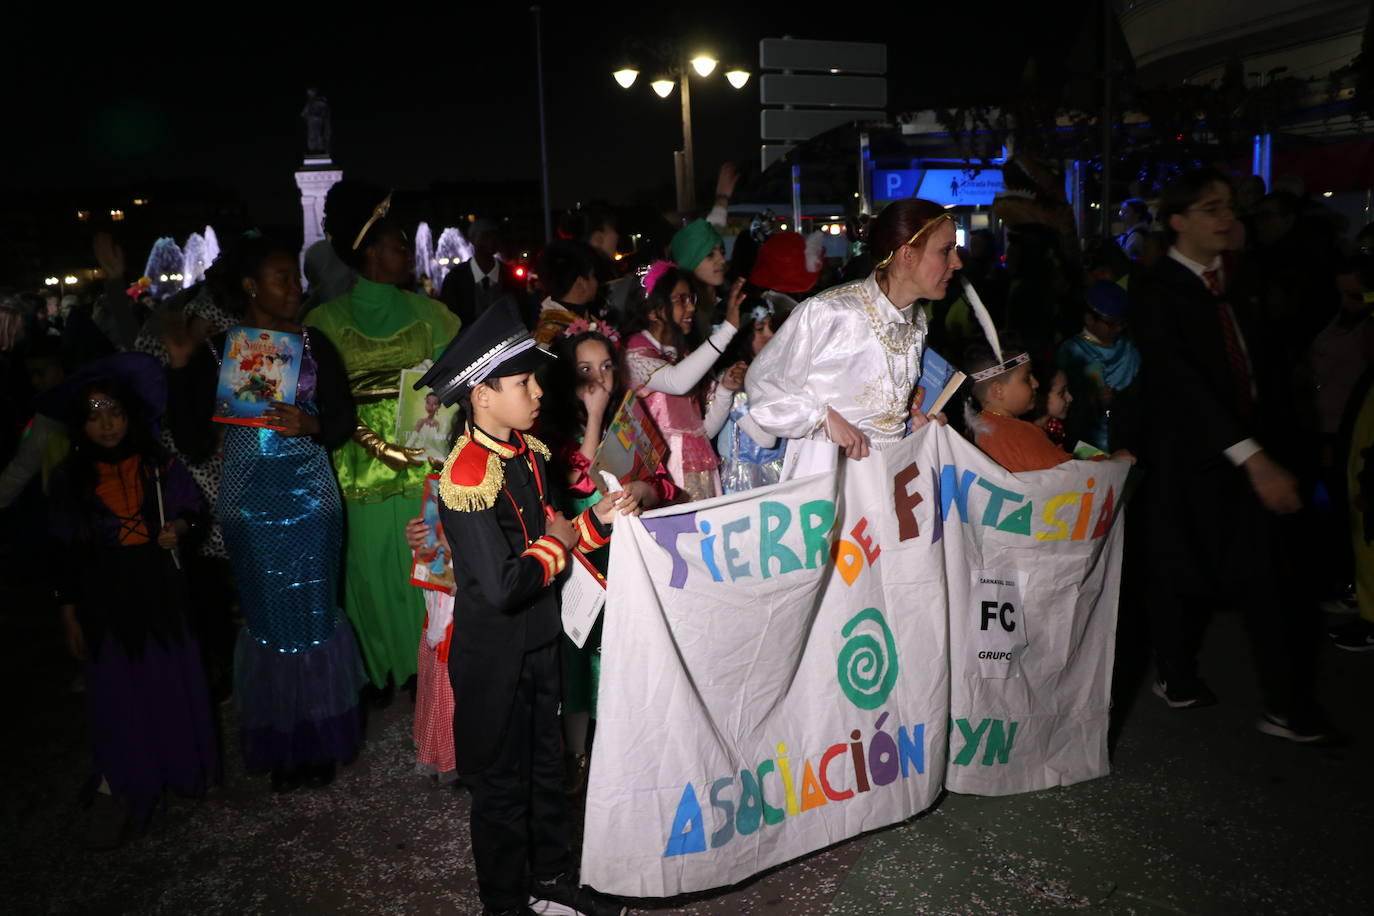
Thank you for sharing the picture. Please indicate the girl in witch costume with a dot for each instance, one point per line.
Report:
(508, 545)
(297, 669)
(120, 506)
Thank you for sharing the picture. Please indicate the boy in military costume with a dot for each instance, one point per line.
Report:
(508, 546)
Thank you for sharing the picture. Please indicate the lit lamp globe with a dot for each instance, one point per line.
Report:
(662, 87)
(737, 78)
(626, 77)
(703, 64)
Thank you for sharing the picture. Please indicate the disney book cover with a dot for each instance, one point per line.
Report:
(258, 367)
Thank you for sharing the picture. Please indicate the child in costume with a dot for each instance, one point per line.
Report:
(1005, 390)
(663, 369)
(1052, 401)
(297, 667)
(432, 730)
(119, 509)
(1100, 364)
(508, 545)
(750, 456)
(586, 396)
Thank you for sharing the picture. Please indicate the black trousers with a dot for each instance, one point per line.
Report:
(1211, 542)
(519, 810)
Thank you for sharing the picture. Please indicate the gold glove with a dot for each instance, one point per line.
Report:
(396, 457)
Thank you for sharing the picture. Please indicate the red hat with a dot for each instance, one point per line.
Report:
(787, 263)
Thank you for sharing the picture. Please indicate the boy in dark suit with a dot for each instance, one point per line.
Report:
(508, 545)
(1216, 498)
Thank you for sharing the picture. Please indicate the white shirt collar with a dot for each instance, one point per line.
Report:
(494, 275)
(1194, 266)
(885, 305)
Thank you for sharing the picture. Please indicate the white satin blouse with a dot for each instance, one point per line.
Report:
(848, 348)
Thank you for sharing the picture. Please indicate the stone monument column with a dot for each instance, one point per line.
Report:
(317, 173)
(315, 177)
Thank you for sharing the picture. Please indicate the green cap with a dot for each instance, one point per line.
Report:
(693, 243)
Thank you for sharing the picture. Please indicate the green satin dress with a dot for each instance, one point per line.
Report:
(380, 330)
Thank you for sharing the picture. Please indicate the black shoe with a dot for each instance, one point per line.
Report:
(107, 823)
(317, 776)
(1185, 694)
(1309, 730)
(283, 781)
(1353, 636)
(562, 896)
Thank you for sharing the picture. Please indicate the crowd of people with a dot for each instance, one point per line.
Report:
(1221, 345)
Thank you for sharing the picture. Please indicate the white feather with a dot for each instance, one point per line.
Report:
(980, 311)
(814, 250)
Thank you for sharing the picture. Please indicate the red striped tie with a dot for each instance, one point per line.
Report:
(1235, 354)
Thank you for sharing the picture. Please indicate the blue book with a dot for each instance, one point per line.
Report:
(937, 384)
(935, 375)
(258, 367)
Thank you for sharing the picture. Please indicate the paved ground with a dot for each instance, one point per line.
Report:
(1202, 814)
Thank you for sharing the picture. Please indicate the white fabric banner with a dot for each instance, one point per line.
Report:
(794, 665)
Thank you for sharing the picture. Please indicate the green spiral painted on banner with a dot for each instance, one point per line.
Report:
(867, 669)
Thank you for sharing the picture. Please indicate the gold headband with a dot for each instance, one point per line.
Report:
(378, 212)
(911, 241)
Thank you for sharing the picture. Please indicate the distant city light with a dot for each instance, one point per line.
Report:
(52, 281)
(737, 78)
(162, 278)
(626, 77)
(83, 215)
(69, 279)
(116, 215)
(140, 201)
(1327, 193)
(443, 262)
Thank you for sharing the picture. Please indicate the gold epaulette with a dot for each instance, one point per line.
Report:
(472, 477)
(541, 448)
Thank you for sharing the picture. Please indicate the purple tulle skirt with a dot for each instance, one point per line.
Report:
(299, 708)
(150, 722)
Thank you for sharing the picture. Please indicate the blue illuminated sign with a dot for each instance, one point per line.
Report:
(895, 184)
(951, 187)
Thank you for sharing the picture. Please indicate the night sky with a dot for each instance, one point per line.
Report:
(447, 96)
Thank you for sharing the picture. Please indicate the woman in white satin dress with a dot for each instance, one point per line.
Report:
(843, 367)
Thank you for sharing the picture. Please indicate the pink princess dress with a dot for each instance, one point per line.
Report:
(692, 462)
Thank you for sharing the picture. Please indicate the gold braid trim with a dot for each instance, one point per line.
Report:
(471, 498)
(537, 446)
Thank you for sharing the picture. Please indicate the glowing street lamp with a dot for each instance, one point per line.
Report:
(703, 64)
(69, 279)
(52, 281)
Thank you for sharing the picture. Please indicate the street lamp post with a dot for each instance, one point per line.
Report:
(686, 191)
(684, 160)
